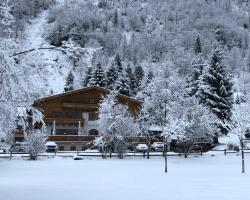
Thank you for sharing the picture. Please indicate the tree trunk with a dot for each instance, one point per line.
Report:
(149, 146)
(242, 156)
(166, 158)
(186, 151)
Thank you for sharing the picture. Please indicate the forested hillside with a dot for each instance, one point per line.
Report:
(159, 51)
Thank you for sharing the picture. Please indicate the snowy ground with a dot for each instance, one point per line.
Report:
(208, 177)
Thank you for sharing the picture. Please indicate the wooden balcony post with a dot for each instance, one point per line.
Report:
(54, 127)
(79, 128)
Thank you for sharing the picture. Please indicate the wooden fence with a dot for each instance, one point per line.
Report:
(72, 154)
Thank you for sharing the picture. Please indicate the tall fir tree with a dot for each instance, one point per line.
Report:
(97, 76)
(111, 76)
(216, 89)
(149, 77)
(118, 63)
(87, 77)
(69, 82)
(197, 45)
(123, 85)
(194, 82)
(139, 75)
(130, 80)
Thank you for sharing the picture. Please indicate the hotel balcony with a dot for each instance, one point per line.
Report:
(80, 106)
(64, 120)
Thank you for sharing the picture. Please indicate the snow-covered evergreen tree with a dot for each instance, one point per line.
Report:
(97, 76)
(197, 46)
(149, 77)
(194, 82)
(139, 75)
(118, 63)
(216, 88)
(69, 82)
(127, 82)
(87, 77)
(111, 76)
(123, 85)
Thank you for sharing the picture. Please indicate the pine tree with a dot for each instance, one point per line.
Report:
(111, 76)
(69, 82)
(197, 46)
(123, 85)
(130, 80)
(216, 89)
(115, 18)
(97, 76)
(139, 75)
(118, 63)
(150, 77)
(198, 66)
(87, 77)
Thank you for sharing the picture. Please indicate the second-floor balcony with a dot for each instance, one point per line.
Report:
(63, 120)
(81, 105)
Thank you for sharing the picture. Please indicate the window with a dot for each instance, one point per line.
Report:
(91, 101)
(57, 114)
(73, 148)
(73, 115)
(61, 148)
(93, 132)
(66, 131)
(93, 116)
(51, 131)
(69, 115)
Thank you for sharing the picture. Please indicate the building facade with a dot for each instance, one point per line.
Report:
(72, 117)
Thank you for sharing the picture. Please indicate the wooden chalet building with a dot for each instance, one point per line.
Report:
(72, 117)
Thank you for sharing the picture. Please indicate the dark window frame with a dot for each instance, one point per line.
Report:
(93, 116)
(72, 148)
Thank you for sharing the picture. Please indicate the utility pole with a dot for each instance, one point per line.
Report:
(165, 154)
(165, 137)
(242, 155)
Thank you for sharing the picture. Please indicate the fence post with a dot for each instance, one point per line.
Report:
(225, 152)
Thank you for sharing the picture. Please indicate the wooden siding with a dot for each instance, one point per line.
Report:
(85, 100)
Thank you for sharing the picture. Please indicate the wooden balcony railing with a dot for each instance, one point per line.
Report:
(63, 120)
(80, 105)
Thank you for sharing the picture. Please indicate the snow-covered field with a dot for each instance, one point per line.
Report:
(208, 177)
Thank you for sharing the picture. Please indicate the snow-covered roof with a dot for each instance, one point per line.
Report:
(86, 89)
(155, 128)
(229, 139)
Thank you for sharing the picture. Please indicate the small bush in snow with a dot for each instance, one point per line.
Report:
(35, 143)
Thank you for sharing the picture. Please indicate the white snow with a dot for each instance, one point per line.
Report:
(155, 128)
(208, 177)
(50, 144)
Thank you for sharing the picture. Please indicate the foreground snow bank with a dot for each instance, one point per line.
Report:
(206, 178)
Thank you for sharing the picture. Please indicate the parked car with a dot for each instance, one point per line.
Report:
(18, 147)
(51, 147)
(157, 146)
(141, 147)
(2, 151)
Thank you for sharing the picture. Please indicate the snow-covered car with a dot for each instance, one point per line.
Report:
(18, 147)
(51, 147)
(2, 151)
(141, 147)
(157, 146)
